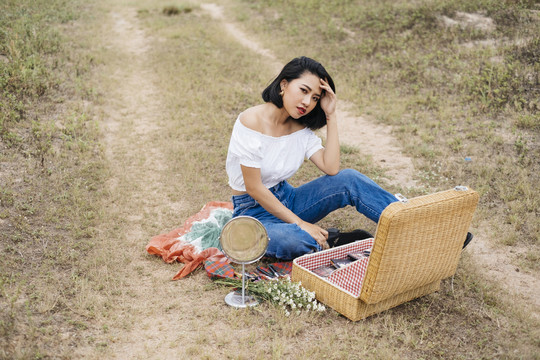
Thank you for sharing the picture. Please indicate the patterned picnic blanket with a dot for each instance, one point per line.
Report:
(196, 243)
(217, 270)
(173, 246)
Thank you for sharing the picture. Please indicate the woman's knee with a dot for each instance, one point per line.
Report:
(348, 174)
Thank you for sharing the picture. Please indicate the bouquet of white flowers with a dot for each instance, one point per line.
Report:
(290, 296)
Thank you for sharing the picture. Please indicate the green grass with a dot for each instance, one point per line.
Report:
(462, 321)
(447, 95)
(72, 281)
(51, 174)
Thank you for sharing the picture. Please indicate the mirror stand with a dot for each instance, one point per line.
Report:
(243, 240)
(241, 301)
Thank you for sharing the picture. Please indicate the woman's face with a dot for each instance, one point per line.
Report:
(301, 95)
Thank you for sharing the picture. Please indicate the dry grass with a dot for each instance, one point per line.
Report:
(84, 287)
(51, 172)
(450, 91)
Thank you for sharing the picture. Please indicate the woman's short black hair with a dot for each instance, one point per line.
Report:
(316, 119)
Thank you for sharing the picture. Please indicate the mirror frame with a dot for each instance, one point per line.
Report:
(261, 230)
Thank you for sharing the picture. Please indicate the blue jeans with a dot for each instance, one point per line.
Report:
(312, 202)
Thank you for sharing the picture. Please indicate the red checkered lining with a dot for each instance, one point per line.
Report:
(348, 278)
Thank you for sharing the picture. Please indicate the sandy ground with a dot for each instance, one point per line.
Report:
(131, 119)
(131, 115)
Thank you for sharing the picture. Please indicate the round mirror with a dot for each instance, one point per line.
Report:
(244, 239)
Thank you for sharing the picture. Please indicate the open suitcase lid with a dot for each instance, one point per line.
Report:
(418, 241)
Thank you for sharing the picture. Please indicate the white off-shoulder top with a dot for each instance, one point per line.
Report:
(278, 157)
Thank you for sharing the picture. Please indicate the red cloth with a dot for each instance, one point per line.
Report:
(170, 248)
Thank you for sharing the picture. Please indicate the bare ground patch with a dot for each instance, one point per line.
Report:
(132, 116)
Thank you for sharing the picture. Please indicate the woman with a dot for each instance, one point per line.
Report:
(268, 145)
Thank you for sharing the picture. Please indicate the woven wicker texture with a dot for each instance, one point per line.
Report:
(417, 243)
(349, 306)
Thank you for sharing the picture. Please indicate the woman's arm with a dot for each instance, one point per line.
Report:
(328, 159)
(259, 192)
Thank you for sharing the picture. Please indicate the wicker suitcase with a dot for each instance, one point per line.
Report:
(418, 243)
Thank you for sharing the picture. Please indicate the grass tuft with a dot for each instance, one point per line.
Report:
(172, 10)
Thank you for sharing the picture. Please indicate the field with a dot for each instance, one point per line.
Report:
(114, 124)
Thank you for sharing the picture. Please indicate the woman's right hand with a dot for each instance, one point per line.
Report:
(318, 233)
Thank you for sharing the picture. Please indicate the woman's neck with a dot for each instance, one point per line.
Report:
(270, 120)
(276, 116)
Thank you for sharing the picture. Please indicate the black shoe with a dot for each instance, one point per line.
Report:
(333, 236)
(467, 240)
(349, 237)
(336, 238)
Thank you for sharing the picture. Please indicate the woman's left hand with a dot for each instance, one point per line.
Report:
(329, 99)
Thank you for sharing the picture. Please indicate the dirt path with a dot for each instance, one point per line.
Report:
(133, 119)
(131, 115)
(377, 141)
(499, 267)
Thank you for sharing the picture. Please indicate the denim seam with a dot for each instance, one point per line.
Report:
(372, 211)
(241, 208)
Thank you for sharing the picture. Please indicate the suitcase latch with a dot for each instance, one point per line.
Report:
(401, 198)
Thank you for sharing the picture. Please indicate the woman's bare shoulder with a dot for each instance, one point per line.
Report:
(251, 118)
